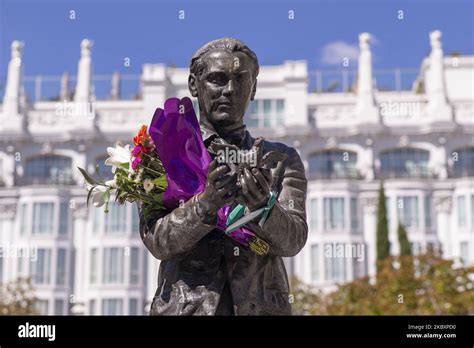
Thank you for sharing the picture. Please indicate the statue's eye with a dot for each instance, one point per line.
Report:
(217, 78)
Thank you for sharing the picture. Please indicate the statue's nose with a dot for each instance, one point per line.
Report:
(229, 89)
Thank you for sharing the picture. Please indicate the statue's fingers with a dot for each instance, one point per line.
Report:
(264, 185)
(268, 175)
(252, 186)
(217, 173)
(224, 180)
(212, 166)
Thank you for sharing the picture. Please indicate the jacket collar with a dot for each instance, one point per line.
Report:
(209, 133)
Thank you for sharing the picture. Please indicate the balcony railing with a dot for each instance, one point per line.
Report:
(105, 87)
(55, 180)
(400, 173)
(127, 86)
(348, 173)
(461, 172)
(345, 80)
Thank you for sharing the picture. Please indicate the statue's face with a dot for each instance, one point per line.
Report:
(225, 87)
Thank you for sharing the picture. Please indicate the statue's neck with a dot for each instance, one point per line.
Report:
(233, 134)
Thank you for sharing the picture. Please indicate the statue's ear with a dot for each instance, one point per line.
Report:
(192, 85)
(254, 90)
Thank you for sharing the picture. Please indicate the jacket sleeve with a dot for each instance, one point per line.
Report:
(168, 235)
(286, 228)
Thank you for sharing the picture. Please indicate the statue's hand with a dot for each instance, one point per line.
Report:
(221, 187)
(256, 186)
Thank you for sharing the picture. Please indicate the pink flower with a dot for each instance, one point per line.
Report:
(137, 150)
(136, 162)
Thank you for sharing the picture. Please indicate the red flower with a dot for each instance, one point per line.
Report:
(143, 143)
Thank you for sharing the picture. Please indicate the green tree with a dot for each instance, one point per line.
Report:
(403, 240)
(383, 244)
(305, 299)
(432, 286)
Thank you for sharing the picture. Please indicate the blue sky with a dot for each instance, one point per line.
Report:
(151, 31)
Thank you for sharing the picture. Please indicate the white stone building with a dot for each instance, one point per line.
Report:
(421, 140)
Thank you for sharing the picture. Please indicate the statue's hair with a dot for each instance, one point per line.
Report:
(230, 44)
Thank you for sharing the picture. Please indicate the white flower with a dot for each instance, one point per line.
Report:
(139, 174)
(111, 183)
(98, 198)
(118, 156)
(148, 185)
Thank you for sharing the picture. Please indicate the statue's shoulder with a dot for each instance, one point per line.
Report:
(279, 147)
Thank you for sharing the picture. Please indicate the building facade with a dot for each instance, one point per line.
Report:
(420, 140)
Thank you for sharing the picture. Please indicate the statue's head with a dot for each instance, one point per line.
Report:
(223, 76)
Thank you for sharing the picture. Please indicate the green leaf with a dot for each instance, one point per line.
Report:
(161, 182)
(106, 196)
(86, 176)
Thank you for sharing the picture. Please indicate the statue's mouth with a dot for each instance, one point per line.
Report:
(224, 106)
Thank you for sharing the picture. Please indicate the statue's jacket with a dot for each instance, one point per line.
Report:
(199, 261)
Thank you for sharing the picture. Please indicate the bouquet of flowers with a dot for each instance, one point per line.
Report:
(167, 167)
(138, 175)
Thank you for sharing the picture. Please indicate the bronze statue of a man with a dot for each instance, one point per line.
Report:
(202, 271)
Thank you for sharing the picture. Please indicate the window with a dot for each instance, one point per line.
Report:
(196, 107)
(43, 218)
(427, 211)
(461, 203)
(63, 218)
(93, 266)
(472, 212)
(61, 267)
(335, 264)
(20, 266)
(134, 266)
(135, 220)
(41, 267)
(314, 217)
(115, 219)
(404, 162)
(354, 214)
(359, 263)
(48, 169)
(1, 265)
(97, 215)
(315, 262)
(464, 252)
(415, 248)
(23, 218)
(280, 111)
(334, 213)
(92, 309)
(333, 164)
(112, 306)
(289, 265)
(133, 306)
(265, 113)
(463, 162)
(113, 266)
(58, 307)
(41, 307)
(408, 211)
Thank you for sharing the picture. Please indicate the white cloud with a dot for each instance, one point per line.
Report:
(335, 52)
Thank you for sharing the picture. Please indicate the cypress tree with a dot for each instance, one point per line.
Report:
(383, 244)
